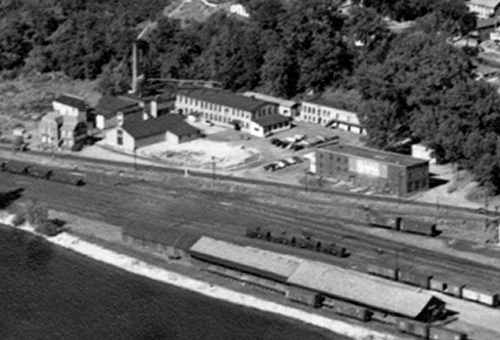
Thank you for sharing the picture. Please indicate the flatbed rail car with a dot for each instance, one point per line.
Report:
(42, 172)
(299, 241)
(444, 285)
(399, 223)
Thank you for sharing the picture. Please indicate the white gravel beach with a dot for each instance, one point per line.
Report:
(138, 267)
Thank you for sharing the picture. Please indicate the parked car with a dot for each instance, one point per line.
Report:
(281, 164)
(297, 147)
(298, 159)
(291, 160)
(270, 167)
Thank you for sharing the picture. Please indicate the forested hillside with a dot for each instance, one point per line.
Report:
(411, 84)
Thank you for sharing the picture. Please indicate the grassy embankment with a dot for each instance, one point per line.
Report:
(26, 99)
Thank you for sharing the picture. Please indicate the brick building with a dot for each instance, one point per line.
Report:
(390, 172)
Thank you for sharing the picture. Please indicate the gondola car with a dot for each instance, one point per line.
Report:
(39, 172)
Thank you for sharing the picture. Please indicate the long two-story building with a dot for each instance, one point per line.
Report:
(324, 112)
(257, 117)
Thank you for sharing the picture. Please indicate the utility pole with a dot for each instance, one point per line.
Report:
(213, 169)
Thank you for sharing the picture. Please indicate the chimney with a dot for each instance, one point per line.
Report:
(153, 108)
(134, 67)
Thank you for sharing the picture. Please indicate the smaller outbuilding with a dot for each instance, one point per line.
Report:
(68, 105)
(133, 134)
(287, 108)
(108, 108)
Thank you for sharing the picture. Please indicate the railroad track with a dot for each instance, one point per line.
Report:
(204, 209)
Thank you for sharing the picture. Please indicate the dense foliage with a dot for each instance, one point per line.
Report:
(407, 84)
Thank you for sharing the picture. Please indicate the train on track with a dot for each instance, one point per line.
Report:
(41, 172)
(432, 282)
(427, 331)
(295, 240)
(402, 224)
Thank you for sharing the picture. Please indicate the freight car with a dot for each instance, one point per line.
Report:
(348, 309)
(299, 241)
(42, 172)
(67, 178)
(426, 331)
(438, 283)
(402, 224)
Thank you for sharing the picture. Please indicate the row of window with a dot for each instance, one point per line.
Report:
(325, 113)
(415, 185)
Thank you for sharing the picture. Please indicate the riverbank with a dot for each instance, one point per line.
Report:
(144, 269)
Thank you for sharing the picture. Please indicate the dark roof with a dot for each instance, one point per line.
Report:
(488, 22)
(171, 122)
(72, 101)
(327, 102)
(380, 156)
(225, 98)
(108, 106)
(165, 235)
(272, 120)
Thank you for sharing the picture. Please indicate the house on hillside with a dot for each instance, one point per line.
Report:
(108, 107)
(287, 108)
(257, 117)
(484, 8)
(73, 133)
(132, 133)
(50, 129)
(68, 105)
(324, 112)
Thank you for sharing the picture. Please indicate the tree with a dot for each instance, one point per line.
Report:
(115, 78)
(280, 72)
(36, 213)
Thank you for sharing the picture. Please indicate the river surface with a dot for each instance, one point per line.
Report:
(47, 292)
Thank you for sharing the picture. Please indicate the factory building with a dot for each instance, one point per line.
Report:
(385, 171)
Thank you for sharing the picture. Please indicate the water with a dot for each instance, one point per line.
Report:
(47, 292)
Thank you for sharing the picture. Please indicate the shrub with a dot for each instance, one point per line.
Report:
(48, 228)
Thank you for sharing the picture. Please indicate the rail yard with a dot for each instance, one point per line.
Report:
(226, 210)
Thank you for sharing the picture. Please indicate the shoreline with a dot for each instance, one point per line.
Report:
(150, 271)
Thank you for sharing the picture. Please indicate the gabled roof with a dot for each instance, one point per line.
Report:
(108, 106)
(271, 99)
(271, 120)
(73, 101)
(250, 259)
(225, 98)
(361, 288)
(53, 116)
(171, 122)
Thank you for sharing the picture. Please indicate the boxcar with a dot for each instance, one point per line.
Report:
(17, 168)
(377, 220)
(282, 238)
(332, 249)
(482, 296)
(353, 311)
(40, 172)
(413, 327)
(67, 178)
(387, 272)
(304, 296)
(252, 232)
(454, 289)
(413, 277)
(417, 227)
(438, 284)
(440, 333)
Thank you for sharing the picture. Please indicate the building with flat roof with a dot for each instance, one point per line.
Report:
(327, 113)
(287, 108)
(386, 171)
(256, 117)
